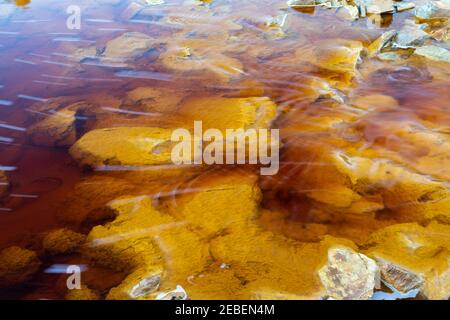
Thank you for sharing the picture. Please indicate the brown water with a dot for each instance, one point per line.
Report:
(36, 66)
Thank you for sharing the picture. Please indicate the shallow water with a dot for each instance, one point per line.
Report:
(393, 110)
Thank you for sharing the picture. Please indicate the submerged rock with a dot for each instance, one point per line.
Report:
(151, 99)
(123, 146)
(188, 55)
(411, 256)
(434, 53)
(349, 275)
(230, 113)
(62, 241)
(117, 51)
(57, 130)
(17, 266)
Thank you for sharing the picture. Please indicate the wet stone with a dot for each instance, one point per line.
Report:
(349, 275)
(145, 287)
(433, 10)
(434, 53)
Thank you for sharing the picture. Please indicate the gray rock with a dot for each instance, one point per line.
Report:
(434, 53)
(411, 35)
(434, 10)
(349, 275)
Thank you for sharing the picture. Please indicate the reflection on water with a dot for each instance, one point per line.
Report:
(365, 148)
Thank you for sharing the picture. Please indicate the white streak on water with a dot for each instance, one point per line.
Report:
(58, 63)
(7, 126)
(25, 61)
(143, 75)
(39, 55)
(32, 98)
(6, 139)
(100, 20)
(50, 83)
(130, 112)
(6, 103)
(7, 168)
(28, 196)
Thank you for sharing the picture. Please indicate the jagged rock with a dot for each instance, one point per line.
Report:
(123, 146)
(85, 293)
(349, 275)
(117, 51)
(411, 35)
(434, 53)
(411, 256)
(17, 266)
(433, 10)
(62, 241)
(57, 130)
(4, 184)
(376, 46)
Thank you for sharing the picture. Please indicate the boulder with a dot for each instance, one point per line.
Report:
(62, 241)
(349, 275)
(17, 266)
